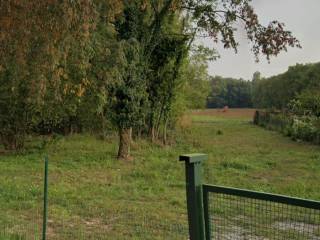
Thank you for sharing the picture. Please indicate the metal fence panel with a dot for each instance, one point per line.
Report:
(241, 214)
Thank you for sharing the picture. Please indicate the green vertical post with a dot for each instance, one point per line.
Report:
(206, 215)
(45, 200)
(193, 165)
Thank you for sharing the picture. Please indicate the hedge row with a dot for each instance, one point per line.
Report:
(306, 128)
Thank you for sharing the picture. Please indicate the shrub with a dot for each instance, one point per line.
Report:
(219, 132)
(304, 127)
(15, 120)
(307, 103)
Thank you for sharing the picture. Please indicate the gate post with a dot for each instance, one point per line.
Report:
(193, 165)
(45, 200)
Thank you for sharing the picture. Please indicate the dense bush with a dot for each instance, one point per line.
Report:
(15, 112)
(306, 103)
(306, 128)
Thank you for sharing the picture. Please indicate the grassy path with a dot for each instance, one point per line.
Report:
(89, 188)
(248, 156)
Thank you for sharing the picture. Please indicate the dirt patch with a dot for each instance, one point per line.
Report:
(304, 229)
(238, 233)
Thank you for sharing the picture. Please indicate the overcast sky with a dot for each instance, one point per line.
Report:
(302, 17)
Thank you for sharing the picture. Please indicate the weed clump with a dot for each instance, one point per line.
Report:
(219, 132)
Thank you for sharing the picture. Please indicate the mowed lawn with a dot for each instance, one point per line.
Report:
(91, 192)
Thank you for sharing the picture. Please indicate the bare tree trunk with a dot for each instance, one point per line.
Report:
(104, 126)
(159, 119)
(124, 143)
(12, 142)
(165, 132)
(153, 134)
(151, 130)
(139, 132)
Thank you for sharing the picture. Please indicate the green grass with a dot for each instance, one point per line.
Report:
(92, 192)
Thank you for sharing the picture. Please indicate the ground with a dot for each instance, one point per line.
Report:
(91, 192)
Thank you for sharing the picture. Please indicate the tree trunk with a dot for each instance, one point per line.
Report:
(103, 124)
(12, 142)
(159, 119)
(153, 134)
(165, 132)
(151, 130)
(124, 143)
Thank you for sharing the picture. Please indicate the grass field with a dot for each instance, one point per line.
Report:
(91, 192)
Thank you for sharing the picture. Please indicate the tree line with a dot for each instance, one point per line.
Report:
(300, 84)
(292, 102)
(88, 65)
(234, 93)
(301, 81)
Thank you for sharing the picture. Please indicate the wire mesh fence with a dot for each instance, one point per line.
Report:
(72, 216)
(229, 213)
(22, 219)
(236, 217)
(127, 224)
(76, 212)
(124, 225)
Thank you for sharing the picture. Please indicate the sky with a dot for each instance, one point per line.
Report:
(302, 17)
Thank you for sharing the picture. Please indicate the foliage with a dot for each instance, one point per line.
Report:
(195, 75)
(279, 90)
(296, 92)
(15, 109)
(147, 22)
(77, 61)
(304, 128)
(218, 18)
(298, 127)
(164, 77)
(79, 64)
(306, 103)
(235, 93)
(127, 95)
(48, 51)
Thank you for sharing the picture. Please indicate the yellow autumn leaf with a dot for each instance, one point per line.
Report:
(81, 91)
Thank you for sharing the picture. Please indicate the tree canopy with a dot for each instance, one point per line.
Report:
(70, 66)
(235, 93)
(277, 91)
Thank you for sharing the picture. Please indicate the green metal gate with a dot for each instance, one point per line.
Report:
(216, 212)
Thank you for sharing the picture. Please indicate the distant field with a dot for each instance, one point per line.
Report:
(229, 113)
(91, 191)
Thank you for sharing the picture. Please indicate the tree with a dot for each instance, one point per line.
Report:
(46, 53)
(144, 22)
(76, 54)
(197, 81)
(163, 76)
(256, 77)
(128, 95)
(34, 42)
(236, 93)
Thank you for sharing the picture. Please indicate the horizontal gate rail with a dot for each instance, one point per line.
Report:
(243, 214)
(299, 202)
(225, 213)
